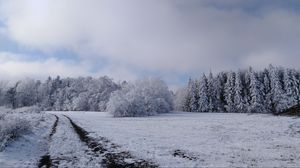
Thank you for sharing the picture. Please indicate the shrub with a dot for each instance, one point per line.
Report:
(15, 123)
(12, 127)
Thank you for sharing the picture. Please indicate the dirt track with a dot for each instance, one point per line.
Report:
(112, 156)
(45, 160)
(102, 149)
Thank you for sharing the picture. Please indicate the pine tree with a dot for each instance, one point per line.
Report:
(267, 91)
(296, 78)
(219, 89)
(256, 103)
(238, 96)
(229, 92)
(203, 96)
(278, 102)
(194, 96)
(211, 93)
(291, 88)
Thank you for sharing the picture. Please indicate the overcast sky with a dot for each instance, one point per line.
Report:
(127, 39)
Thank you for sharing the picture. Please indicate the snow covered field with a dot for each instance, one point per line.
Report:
(177, 139)
(201, 139)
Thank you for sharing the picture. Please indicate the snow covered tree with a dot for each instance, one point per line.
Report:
(179, 99)
(143, 98)
(219, 89)
(3, 90)
(10, 96)
(256, 94)
(120, 100)
(26, 93)
(272, 90)
(291, 88)
(45, 94)
(239, 100)
(211, 92)
(229, 92)
(267, 91)
(278, 102)
(194, 96)
(203, 101)
(81, 102)
(296, 79)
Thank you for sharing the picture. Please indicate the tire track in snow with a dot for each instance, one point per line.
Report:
(184, 155)
(45, 160)
(110, 152)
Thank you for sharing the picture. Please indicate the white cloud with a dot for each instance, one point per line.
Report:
(164, 35)
(13, 66)
(262, 60)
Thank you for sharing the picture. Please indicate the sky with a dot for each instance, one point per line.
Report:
(126, 40)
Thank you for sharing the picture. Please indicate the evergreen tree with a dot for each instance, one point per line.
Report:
(229, 92)
(296, 78)
(203, 95)
(278, 102)
(219, 89)
(211, 93)
(267, 91)
(238, 96)
(194, 96)
(256, 103)
(290, 87)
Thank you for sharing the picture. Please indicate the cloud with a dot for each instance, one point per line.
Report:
(261, 59)
(173, 36)
(13, 66)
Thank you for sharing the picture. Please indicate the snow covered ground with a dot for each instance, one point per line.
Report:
(177, 139)
(67, 150)
(201, 139)
(57, 144)
(25, 151)
(56, 141)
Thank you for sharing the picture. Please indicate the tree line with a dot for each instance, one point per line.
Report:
(143, 97)
(271, 90)
(61, 94)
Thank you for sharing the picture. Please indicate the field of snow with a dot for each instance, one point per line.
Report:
(178, 139)
(201, 139)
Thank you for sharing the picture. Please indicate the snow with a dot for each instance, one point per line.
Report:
(177, 139)
(183, 139)
(26, 150)
(66, 149)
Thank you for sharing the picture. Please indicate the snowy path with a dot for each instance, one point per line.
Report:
(66, 149)
(60, 142)
(71, 146)
(111, 154)
(45, 159)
